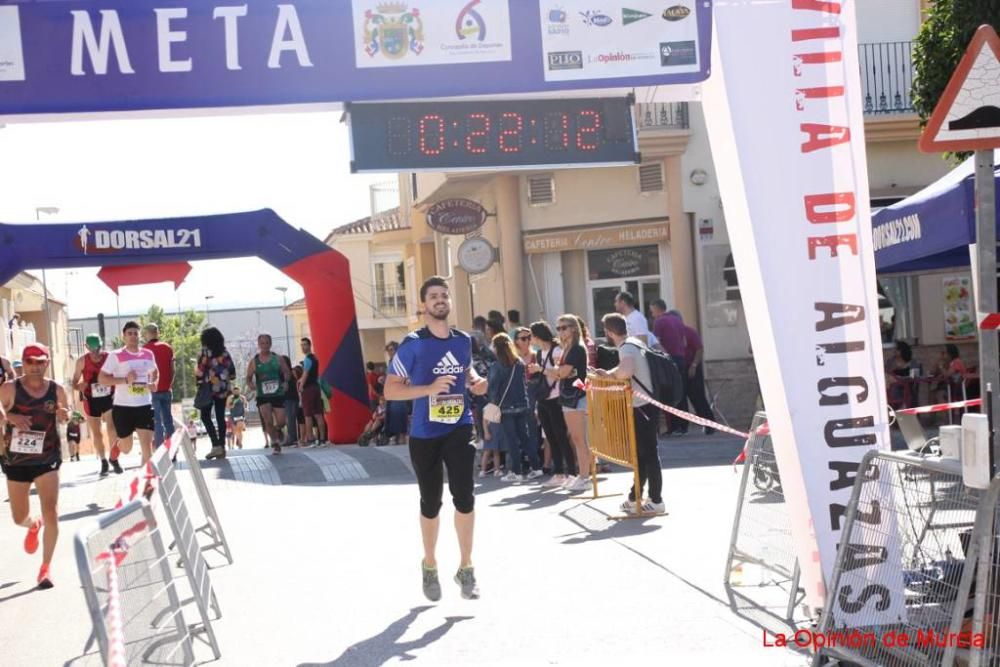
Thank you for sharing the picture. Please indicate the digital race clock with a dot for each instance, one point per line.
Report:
(505, 134)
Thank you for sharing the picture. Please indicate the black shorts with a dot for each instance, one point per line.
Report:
(96, 407)
(454, 450)
(274, 401)
(129, 418)
(30, 473)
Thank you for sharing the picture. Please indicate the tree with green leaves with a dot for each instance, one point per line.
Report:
(183, 333)
(943, 39)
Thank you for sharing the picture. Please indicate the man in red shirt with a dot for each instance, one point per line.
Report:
(695, 380)
(163, 420)
(669, 332)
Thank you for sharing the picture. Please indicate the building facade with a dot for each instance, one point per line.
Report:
(568, 240)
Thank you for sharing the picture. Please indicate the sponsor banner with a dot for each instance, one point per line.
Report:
(642, 38)
(443, 32)
(75, 57)
(803, 248)
(11, 54)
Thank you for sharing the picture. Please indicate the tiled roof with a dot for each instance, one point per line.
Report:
(387, 221)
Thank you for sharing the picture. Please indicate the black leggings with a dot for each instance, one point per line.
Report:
(218, 437)
(454, 450)
(554, 425)
(650, 469)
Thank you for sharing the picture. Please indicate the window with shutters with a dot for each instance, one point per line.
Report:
(651, 177)
(541, 190)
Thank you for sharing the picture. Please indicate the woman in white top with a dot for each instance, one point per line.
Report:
(550, 411)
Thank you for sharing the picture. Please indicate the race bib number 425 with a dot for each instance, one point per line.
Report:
(27, 442)
(446, 408)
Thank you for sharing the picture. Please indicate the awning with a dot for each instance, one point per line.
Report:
(931, 229)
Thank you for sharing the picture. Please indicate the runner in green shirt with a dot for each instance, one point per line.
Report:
(269, 375)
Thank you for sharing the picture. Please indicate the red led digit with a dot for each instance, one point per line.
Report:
(588, 131)
(435, 144)
(556, 128)
(398, 139)
(511, 127)
(478, 136)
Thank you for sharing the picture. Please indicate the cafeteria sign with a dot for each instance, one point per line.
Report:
(456, 216)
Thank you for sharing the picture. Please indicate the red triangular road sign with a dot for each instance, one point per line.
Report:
(967, 117)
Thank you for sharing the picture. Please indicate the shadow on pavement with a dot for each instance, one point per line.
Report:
(385, 646)
(92, 509)
(14, 596)
(596, 525)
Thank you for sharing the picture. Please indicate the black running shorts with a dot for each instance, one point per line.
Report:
(128, 419)
(28, 474)
(96, 407)
(458, 453)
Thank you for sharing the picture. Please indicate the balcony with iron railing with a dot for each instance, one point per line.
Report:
(389, 302)
(886, 77)
(661, 116)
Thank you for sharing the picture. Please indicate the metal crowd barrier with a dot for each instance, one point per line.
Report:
(938, 526)
(761, 569)
(191, 558)
(611, 432)
(150, 627)
(212, 527)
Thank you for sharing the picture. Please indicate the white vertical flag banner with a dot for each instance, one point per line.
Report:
(787, 132)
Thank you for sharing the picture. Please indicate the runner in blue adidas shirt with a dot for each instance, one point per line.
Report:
(431, 368)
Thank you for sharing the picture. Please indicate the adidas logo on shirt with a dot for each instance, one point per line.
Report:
(448, 366)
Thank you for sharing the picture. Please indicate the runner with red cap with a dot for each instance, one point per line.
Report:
(96, 400)
(32, 451)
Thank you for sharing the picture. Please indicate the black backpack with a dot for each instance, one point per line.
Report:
(668, 385)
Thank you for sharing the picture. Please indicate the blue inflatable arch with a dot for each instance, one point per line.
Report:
(321, 271)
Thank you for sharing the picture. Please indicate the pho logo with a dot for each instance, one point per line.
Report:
(470, 23)
(630, 16)
(596, 18)
(676, 13)
(559, 60)
(674, 54)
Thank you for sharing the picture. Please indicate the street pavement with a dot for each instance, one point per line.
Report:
(327, 568)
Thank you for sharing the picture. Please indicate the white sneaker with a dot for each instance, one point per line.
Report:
(498, 473)
(553, 482)
(482, 474)
(581, 484)
(534, 474)
(512, 477)
(569, 481)
(659, 508)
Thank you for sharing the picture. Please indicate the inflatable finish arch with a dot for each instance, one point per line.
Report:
(321, 271)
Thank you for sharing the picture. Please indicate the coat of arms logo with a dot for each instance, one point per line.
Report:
(393, 30)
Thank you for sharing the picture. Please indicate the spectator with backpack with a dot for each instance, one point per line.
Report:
(635, 365)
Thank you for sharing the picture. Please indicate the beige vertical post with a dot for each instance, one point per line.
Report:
(681, 243)
(508, 220)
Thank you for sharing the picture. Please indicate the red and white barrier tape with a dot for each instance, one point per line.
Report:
(942, 407)
(116, 625)
(694, 419)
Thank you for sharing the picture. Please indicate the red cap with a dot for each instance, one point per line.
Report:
(35, 352)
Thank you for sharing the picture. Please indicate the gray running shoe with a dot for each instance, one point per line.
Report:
(466, 579)
(432, 587)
